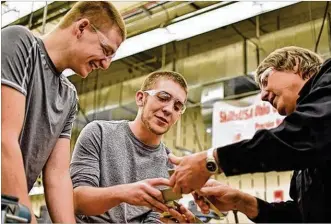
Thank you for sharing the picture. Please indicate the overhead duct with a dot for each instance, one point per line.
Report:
(230, 89)
(240, 86)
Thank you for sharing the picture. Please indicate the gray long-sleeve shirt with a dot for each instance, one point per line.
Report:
(107, 154)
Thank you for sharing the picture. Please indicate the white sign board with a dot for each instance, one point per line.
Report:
(234, 123)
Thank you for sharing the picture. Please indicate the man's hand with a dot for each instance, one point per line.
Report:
(181, 215)
(144, 193)
(225, 198)
(190, 173)
(222, 196)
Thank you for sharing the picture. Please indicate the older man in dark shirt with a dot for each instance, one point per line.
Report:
(298, 85)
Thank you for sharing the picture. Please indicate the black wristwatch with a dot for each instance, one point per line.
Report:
(211, 163)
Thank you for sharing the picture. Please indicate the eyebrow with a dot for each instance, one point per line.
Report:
(108, 48)
(106, 45)
(177, 100)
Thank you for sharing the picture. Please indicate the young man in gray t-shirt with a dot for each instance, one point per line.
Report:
(38, 103)
(117, 165)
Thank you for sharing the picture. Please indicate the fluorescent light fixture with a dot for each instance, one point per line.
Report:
(200, 11)
(222, 17)
(194, 26)
(143, 42)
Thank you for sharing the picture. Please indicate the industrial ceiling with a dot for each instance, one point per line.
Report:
(205, 60)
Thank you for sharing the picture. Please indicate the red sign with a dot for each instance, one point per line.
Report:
(278, 195)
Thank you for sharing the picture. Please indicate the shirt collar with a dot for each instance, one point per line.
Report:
(308, 85)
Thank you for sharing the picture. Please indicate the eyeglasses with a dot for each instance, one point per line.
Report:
(264, 78)
(165, 98)
(108, 51)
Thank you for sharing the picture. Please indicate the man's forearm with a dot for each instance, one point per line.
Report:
(13, 179)
(95, 201)
(248, 205)
(59, 197)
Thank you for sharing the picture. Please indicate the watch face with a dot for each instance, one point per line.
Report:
(211, 166)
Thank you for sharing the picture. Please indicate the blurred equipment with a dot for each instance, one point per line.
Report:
(170, 198)
(192, 206)
(214, 208)
(174, 205)
(168, 195)
(12, 211)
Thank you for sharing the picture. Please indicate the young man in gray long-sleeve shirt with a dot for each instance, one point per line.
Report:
(116, 165)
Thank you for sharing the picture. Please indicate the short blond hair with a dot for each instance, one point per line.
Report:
(153, 77)
(101, 14)
(285, 59)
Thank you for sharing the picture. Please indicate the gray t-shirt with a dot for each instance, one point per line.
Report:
(107, 154)
(50, 99)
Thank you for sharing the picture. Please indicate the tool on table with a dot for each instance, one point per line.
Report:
(12, 211)
(169, 195)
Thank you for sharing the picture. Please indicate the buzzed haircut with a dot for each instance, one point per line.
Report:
(102, 14)
(153, 77)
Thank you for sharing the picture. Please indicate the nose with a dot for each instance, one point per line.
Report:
(264, 95)
(168, 108)
(105, 63)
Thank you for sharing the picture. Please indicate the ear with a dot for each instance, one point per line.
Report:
(80, 26)
(140, 98)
